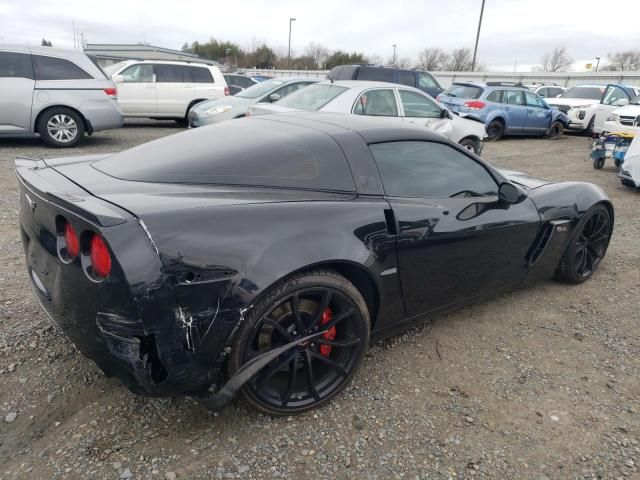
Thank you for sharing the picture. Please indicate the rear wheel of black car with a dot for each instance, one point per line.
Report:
(587, 247)
(495, 130)
(555, 131)
(61, 127)
(313, 372)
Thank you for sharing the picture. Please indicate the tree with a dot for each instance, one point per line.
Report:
(459, 61)
(431, 59)
(318, 52)
(265, 57)
(558, 60)
(344, 58)
(403, 62)
(624, 61)
(46, 43)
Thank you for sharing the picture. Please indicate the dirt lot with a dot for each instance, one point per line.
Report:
(541, 383)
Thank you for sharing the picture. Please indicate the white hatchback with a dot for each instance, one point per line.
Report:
(164, 89)
(384, 100)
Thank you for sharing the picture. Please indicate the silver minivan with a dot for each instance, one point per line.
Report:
(57, 94)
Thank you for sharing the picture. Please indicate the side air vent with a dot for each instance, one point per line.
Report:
(542, 240)
(390, 219)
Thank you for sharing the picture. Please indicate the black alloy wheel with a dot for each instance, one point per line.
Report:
(495, 130)
(312, 372)
(587, 247)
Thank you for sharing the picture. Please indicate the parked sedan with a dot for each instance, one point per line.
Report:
(214, 111)
(382, 100)
(263, 255)
(505, 109)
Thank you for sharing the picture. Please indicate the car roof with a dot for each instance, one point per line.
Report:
(36, 50)
(174, 62)
(366, 84)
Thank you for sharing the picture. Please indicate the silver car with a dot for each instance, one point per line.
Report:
(215, 111)
(57, 94)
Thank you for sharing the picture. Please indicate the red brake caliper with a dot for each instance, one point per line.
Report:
(330, 334)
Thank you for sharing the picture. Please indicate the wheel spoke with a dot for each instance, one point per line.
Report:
(324, 304)
(310, 381)
(338, 318)
(278, 327)
(347, 342)
(271, 371)
(291, 382)
(335, 365)
(295, 310)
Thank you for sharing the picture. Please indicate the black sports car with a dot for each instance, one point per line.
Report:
(264, 261)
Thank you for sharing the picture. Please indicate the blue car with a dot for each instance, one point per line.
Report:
(505, 109)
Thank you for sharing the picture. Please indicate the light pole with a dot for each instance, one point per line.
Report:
(597, 63)
(475, 48)
(291, 20)
(393, 62)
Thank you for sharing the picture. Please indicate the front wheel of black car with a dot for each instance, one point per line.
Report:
(495, 130)
(587, 246)
(314, 371)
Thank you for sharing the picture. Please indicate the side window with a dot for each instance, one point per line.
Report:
(378, 103)
(376, 74)
(533, 100)
(430, 170)
(495, 96)
(426, 81)
(407, 78)
(15, 65)
(201, 75)
(141, 73)
(287, 89)
(513, 97)
(170, 73)
(50, 68)
(612, 95)
(416, 105)
(543, 92)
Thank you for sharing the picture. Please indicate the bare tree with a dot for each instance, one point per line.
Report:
(432, 59)
(460, 60)
(557, 60)
(624, 61)
(318, 52)
(402, 62)
(375, 59)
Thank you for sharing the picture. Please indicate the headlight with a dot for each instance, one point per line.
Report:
(613, 118)
(216, 110)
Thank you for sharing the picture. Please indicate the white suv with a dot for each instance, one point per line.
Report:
(163, 89)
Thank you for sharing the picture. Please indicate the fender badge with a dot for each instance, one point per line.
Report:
(31, 203)
(561, 228)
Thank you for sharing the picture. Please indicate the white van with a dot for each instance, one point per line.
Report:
(164, 89)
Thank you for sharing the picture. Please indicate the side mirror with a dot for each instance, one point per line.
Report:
(118, 78)
(274, 97)
(621, 102)
(445, 114)
(509, 193)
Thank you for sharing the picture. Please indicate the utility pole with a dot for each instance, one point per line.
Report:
(475, 48)
(393, 62)
(291, 20)
(597, 63)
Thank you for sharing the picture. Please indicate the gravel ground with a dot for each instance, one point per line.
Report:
(541, 383)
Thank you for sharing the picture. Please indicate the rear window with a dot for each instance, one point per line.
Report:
(201, 75)
(376, 74)
(461, 90)
(253, 152)
(51, 68)
(343, 72)
(313, 97)
(592, 93)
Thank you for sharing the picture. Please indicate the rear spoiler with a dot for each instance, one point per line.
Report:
(53, 187)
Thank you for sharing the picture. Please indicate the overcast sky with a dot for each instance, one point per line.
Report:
(512, 30)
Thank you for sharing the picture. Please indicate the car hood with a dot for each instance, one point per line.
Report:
(523, 179)
(628, 111)
(572, 102)
(263, 109)
(233, 102)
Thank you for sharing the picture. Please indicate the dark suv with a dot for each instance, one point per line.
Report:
(413, 78)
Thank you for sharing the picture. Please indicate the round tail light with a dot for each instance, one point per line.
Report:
(72, 241)
(100, 257)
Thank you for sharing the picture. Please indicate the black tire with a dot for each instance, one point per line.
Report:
(61, 127)
(598, 163)
(183, 122)
(589, 129)
(555, 131)
(495, 130)
(470, 144)
(320, 296)
(587, 246)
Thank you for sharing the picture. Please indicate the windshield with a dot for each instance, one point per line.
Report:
(592, 93)
(260, 89)
(111, 69)
(313, 97)
(459, 90)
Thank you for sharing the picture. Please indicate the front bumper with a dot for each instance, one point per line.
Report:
(579, 119)
(626, 178)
